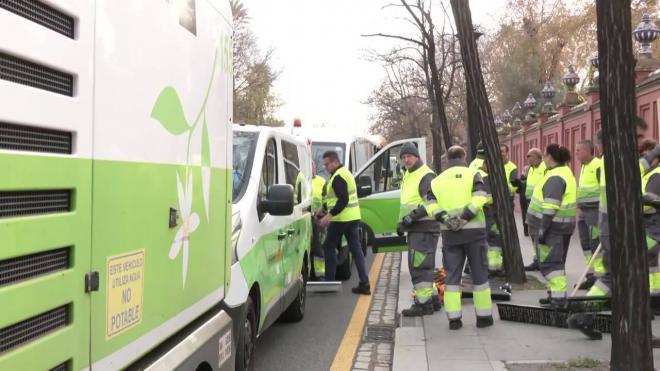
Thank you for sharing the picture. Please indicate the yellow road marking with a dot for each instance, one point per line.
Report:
(344, 358)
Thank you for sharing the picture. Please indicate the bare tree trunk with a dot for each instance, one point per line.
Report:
(631, 327)
(436, 133)
(472, 128)
(437, 89)
(513, 262)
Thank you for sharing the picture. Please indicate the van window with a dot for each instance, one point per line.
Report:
(292, 168)
(243, 147)
(268, 170)
(319, 148)
(385, 172)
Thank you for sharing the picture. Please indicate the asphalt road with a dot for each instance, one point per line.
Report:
(310, 344)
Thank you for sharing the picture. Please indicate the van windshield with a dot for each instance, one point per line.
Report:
(244, 144)
(319, 148)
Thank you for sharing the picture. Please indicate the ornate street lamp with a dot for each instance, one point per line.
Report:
(645, 33)
(506, 116)
(593, 60)
(548, 93)
(498, 121)
(530, 102)
(516, 110)
(571, 78)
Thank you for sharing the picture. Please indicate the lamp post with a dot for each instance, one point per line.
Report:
(548, 93)
(645, 33)
(571, 79)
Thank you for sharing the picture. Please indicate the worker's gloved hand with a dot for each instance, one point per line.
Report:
(400, 229)
(542, 235)
(442, 217)
(407, 221)
(455, 223)
(467, 214)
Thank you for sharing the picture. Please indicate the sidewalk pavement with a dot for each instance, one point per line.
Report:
(426, 343)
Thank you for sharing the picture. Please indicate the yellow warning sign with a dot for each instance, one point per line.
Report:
(124, 292)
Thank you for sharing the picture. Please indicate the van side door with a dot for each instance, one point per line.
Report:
(379, 183)
(298, 224)
(272, 240)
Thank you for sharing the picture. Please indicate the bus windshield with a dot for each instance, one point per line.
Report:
(319, 148)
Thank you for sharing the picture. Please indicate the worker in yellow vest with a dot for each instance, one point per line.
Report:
(422, 231)
(535, 172)
(551, 219)
(651, 201)
(479, 160)
(510, 171)
(318, 259)
(588, 195)
(342, 219)
(494, 237)
(456, 200)
(603, 284)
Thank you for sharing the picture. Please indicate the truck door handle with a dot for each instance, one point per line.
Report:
(281, 236)
(291, 232)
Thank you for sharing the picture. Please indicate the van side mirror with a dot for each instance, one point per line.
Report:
(279, 201)
(364, 186)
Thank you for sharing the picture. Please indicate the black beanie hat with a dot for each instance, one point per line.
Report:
(409, 149)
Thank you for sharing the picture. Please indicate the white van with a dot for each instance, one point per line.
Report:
(271, 229)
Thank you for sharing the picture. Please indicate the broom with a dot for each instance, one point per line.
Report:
(592, 325)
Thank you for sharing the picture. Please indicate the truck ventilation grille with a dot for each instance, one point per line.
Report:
(23, 203)
(37, 76)
(26, 138)
(32, 328)
(61, 367)
(29, 266)
(40, 13)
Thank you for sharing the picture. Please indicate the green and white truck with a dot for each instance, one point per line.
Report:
(115, 185)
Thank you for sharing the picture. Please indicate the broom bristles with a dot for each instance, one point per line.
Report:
(552, 317)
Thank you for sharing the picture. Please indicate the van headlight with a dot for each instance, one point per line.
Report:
(236, 227)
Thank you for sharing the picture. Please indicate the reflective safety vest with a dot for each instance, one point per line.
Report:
(410, 197)
(534, 175)
(508, 168)
(317, 192)
(588, 193)
(565, 209)
(649, 210)
(352, 210)
(489, 197)
(453, 192)
(477, 163)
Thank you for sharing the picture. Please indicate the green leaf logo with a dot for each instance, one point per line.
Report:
(169, 112)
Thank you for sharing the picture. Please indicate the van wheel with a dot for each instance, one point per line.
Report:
(296, 310)
(247, 342)
(344, 267)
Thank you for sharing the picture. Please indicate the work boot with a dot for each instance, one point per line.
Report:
(532, 267)
(437, 305)
(418, 310)
(362, 288)
(586, 285)
(484, 321)
(455, 324)
(545, 301)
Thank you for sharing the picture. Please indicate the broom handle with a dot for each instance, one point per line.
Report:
(586, 270)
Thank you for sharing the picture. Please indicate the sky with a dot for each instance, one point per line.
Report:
(321, 56)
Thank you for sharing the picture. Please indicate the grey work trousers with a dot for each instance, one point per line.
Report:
(453, 259)
(587, 225)
(421, 263)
